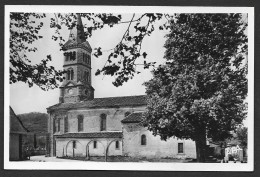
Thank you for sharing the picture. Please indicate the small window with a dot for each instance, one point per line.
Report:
(80, 123)
(84, 59)
(66, 124)
(54, 125)
(58, 125)
(70, 56)
(117, 144)
(95, 144)
(103, 119)
(143, 140)
(180, 147)
(74, 144)
(86, 76)
(70, 74)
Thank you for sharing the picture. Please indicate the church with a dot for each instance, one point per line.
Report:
(81, 125)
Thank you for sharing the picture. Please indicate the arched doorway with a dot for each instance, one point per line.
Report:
(74, 149)
(117, 143)
(95, 148)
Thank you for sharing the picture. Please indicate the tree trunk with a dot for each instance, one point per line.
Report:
(201, 147)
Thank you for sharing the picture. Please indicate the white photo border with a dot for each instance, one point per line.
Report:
(151, 166)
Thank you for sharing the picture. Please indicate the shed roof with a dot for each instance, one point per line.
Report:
(91, 135)
(133, 118)
(16, 125)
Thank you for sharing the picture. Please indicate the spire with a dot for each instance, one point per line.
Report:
(77, 37)
(77, 32)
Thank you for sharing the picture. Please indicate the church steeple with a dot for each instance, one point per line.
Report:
(77, 62)
(77, 33)
(77, 36)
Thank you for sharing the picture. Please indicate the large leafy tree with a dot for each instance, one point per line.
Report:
(121, 62)
(199, 92)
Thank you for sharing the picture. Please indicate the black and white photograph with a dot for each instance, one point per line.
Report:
(129, 88)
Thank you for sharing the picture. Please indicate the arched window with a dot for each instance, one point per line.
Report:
(80, 123)
(74, 144)
(180, 148)
(103, 120)
(59, 120)
(66, 56)
(70, 56)
(143, 140)
(95, 144)
(70, 74)
(66, 124)
(83, 57)
(117, 144)
(54, 125)
(89, 59)
(86, 76)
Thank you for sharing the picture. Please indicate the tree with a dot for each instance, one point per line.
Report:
(241, 133)
(24, 29)
(199, 93)
(121, 63)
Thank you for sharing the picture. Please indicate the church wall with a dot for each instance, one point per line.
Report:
(155, 147)
(50, 131)
(64, 147)
(91, 121)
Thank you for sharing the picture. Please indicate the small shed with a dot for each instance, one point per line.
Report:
(18, 134)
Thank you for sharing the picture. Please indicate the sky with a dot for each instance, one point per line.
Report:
(24, 99)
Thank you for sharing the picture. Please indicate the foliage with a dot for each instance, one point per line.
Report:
(121, 63)
(241, 133)
(24, 29)
(200, 91)
(35, 122)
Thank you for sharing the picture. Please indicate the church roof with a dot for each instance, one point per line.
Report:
(103, 102)
(133, 118)
(16, 125)
(91, 135)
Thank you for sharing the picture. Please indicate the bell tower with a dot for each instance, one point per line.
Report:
(77, 63)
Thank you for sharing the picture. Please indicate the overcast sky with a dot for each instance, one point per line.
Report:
(24, 99)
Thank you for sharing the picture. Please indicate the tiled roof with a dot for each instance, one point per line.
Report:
(133, 118)
(103, 102)
(92, 135)
(16, 125)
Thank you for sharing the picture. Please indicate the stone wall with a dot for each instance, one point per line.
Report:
(155, 147)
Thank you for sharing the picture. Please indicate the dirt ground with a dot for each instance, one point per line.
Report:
(128, 159)
(111, 159)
